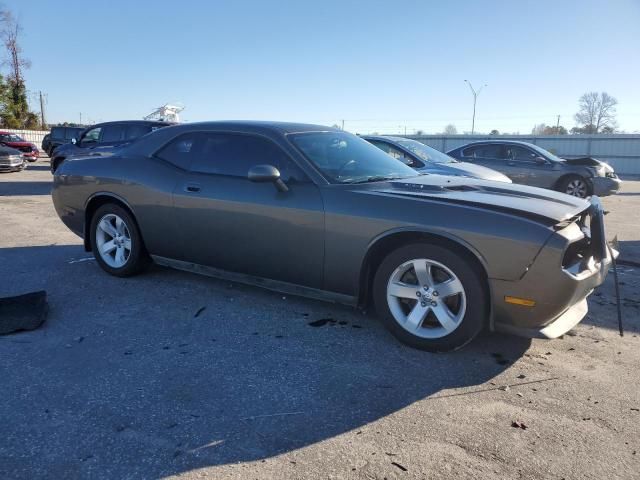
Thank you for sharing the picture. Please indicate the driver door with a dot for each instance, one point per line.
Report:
(228, 222)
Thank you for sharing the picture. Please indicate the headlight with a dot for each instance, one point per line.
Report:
(610, 174)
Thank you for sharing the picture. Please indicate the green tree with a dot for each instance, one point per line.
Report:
(14, 108)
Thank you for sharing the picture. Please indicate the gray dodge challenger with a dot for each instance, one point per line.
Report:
(316, 211)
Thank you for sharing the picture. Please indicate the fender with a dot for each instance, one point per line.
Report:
(364, 268)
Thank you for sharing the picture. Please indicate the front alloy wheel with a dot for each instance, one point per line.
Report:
(426, 298)
(577, 187)
(431, 297)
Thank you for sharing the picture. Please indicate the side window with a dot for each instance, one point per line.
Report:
(520, 154)
(91, 137)
(135, 131)
(57, 133)
(395, 153)
(234, 155)
(483, 151)
(113, 133)
(180, 151)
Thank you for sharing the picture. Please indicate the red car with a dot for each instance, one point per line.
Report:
(29, 150)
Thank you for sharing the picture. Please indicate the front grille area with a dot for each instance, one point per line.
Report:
(594, 244)
(26, 149)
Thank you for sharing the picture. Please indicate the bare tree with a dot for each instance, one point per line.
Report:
(450, 129)
(10, 33)
(597, 112)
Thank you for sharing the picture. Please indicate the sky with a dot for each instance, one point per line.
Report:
(379, 66)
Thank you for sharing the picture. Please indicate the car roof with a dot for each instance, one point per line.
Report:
(281, 127)
(134, 122)
(502, 142)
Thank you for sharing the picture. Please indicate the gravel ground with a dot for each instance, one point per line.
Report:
(173, 374)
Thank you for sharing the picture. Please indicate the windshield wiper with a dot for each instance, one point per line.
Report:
(375, 178)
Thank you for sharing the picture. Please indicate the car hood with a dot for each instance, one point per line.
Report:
(589, 162)
(531, 202)
(20, 144)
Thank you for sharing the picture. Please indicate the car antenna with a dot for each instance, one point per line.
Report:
(615, 279)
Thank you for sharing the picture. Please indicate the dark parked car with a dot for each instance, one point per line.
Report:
(103, 138)
(11, 160)
(426, 159)
(29, 150)
(60, 136)
(316, 211)
(529, 164)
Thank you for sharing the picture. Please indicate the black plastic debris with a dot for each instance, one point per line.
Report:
(24, 312)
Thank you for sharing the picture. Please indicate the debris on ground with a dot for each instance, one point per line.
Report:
(200, 310)
(518, 424)
(23, 312)
(401, 467)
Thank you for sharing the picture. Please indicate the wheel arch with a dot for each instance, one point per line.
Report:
(56, 161)
(388, 241)
(558, 185)
(94, 202)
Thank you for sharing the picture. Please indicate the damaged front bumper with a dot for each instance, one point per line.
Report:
(575, 261)
(603, 186)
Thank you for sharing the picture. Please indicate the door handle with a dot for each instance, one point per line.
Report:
(192, 187)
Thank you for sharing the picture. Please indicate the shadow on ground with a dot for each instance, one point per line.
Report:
(8, 189)
(42, 168)
(169, 372)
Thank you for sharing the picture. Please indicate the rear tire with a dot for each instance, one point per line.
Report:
(116, 241)
(430, 297)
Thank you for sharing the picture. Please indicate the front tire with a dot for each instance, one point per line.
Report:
(430, 297)
(116, 241)
(575, 186)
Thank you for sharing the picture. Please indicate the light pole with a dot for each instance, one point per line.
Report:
(475, 97)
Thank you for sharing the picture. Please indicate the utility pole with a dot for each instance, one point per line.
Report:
(475, 98)
(342, 125)
(558, 126)
(80, 119)
(44, 123)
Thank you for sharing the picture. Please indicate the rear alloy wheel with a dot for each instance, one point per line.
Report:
(429, 297)
(575, 186)
(116, 241)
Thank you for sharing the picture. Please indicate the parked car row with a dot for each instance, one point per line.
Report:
(497, 160)
(316, 211)
(506, 160)
(102, 139)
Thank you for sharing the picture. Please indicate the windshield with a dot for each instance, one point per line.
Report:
(10, 137)
(424, 152)
(345, 158)
(545, 153)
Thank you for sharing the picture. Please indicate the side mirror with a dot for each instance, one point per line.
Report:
(540, 160)
(267, 174)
